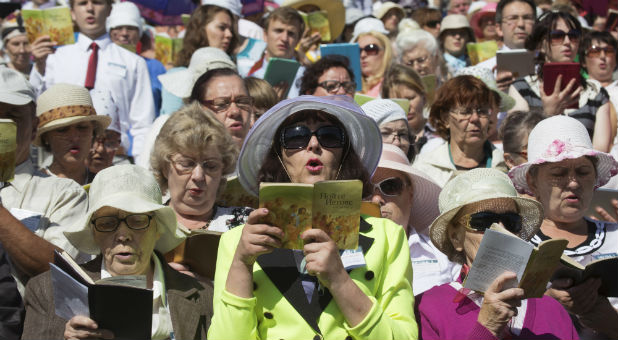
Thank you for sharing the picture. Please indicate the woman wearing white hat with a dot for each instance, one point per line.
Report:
(17, 47)
(469, 205)
(391, 120)
(455, 33)
(376, 53)
(128, 229)
(562, 172)
(67, 126)
(304, 140)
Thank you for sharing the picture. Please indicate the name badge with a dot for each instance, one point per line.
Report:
(29, 218)
(117, 69)
(353, 258)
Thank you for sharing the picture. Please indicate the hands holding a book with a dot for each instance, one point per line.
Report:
(41, 48)
(82, 327)
(504, 79)
(559, 100)
(499, 305)
(257, 239)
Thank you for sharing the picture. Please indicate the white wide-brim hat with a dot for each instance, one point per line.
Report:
(362, 132)
(556, 139)
(335, 12)
(133, 189)
(204, 59)
(475, 186)
(65, 104)
(425, 191)
(367, 25)
(486, 75)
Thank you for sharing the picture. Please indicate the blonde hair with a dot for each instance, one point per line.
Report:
(371, 81)
(192, 128)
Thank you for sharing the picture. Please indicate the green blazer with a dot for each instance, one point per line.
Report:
(190, 303)
(281, 310)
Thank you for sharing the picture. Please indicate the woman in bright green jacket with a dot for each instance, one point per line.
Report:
(265, 292)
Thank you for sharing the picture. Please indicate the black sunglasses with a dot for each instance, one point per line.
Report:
(483, 220)
(390, 187)
(371, 49)
(298, 137)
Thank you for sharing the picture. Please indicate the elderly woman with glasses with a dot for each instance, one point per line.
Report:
(469, 205)
(556, 38)
(331, 75)
(419, 50)
(128, 229)
(313, 292)
(461, 114)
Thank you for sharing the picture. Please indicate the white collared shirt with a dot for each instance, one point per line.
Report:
(161, 319)
(124, 74)
(47, 206)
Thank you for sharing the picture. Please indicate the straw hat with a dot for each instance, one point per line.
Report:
(333, 8)
(558, 138)
(362, 131)
(425, 191)
(234, 6)
(204, 59)
(63, 105)
(367, 25)
(453, 22)
(384, 111)
(15, 89)
(133, 189)
(480, 185)
(124, 14)
(486, 75)
(489, 10)
(387, 6)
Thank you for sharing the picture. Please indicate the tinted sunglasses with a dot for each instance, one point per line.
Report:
(557, 36)
(595, 51)
(298, 137)
(483, 220)
(390, 187)
(371, 49)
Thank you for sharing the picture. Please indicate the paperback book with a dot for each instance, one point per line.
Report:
(55, 22)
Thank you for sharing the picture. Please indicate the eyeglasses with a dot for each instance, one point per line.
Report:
(557, 36)
(483, 220)
(595, 51)
(466, 113)
(107, 143)
(221, 104)
(298, 137)
(185, 165)
(332, 86)
(371, 49)
(514, 19)
(420, 61)
(432, 23)
(391, 135)
(390, 187)
(106, 224)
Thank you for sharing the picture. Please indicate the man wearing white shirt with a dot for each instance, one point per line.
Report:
(515, 19)
(106, 66)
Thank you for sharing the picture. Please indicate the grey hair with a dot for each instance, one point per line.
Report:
(409, 39)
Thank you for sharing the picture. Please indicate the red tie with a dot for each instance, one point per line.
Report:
(91, 74)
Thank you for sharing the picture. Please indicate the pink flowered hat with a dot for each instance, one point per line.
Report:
(556, 139)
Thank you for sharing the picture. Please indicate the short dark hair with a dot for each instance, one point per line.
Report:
(202, 82)
(503, 4)
(313, 72)
(587, 42)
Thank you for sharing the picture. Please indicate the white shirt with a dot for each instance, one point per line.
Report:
(429, 265)
(124, 74)
(47, 206)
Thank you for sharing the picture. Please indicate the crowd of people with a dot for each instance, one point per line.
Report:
(121, 157)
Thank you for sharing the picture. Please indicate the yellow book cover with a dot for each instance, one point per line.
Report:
(333, 206)
(482, 51)
(55, 22)
(8, 146)
(318, 22)
(235, 195)
(167, 49)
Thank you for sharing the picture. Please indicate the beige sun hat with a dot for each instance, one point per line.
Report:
(479, 185)
(334, 11)
(455, 21)
(133, 189)
(63, 105)
(387, 6)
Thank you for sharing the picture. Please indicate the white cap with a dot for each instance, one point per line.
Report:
(233, 6)
(367, 25)
(384, 111)
(124, 14)
(15, 88)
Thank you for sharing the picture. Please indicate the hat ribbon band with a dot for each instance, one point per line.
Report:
(66, 112)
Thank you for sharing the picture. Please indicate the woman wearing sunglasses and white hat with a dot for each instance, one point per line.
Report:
(304, 140)
(469, 204)
(562, 172)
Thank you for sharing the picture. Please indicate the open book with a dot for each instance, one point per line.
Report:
(281, 70)
(198, 251)
(167, 49)
(502, 251)
(479, 52)
(121, 304)
(333, 206)
(55, 22)
(604, 268)
(8, 147)
(317, 22)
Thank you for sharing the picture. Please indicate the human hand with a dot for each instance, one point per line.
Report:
(41, 48)
(257, 238)
(322, 257)
(499, 306)
(577, 299)
(504, 79)
(307, 41)
(605, 216)
(83, 327)
(558, 101)
(281, 89)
